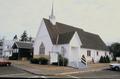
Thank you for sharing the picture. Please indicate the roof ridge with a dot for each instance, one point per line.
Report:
(65, 24)
(70, 25)
(92, 33)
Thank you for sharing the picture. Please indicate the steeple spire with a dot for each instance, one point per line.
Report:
(52, 17)
(52, 12)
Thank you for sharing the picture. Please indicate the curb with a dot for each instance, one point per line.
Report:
(68, 73)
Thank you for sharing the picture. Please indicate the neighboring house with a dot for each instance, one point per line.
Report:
(73, 43)
(6, 48)
(1, 48)
(7, 51)
(23, 50)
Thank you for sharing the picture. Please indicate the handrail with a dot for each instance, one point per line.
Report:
(83, 60)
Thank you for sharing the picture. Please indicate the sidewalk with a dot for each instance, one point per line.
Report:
(50, 70)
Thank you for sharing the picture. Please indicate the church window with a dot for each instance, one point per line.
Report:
(0, 52)
(105, 54)
(88, 53)
(97, 53)
(1, 43)
(42, 49)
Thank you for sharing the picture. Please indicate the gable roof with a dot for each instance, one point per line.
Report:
(25, 45)
(62, 34)
(65, 37)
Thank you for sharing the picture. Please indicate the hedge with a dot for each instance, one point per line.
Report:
(34, 61)
(62, 61)
(40, 60)
(43, 60)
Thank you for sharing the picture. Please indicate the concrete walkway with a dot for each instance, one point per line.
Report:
(50, 70)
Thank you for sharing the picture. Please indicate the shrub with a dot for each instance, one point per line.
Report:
(107, 59)
(114, 59)
(65, 61)
(43, 60)
(101, 59)
(62, 61)
(14, 56)
(104, 59)
(34, 61)
(55, 63)
(40, 60)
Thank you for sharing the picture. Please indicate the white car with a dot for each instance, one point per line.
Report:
(115, 66)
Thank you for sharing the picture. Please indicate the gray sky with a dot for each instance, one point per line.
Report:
(97, 16)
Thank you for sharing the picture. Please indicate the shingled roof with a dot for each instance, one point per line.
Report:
(61, 34)
(25, 45)
(64, 38)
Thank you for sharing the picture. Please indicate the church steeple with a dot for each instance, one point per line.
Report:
(52, 17)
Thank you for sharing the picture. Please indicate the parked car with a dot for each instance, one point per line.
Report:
(115, 66)
(5, 63)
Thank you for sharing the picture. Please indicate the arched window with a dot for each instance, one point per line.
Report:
(42, 49)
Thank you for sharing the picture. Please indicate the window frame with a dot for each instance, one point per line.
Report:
(105, 53)
(88, 53)
(42, 49)
(97, 53)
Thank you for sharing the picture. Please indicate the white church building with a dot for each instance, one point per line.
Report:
(73, 43)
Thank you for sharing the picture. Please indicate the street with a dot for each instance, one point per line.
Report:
(14, 72)
(98, 74)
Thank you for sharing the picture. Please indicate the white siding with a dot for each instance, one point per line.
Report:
(74, 49)
(43, 36)
(93, 54)
(57, 49)
(7, 47)
(75, 41)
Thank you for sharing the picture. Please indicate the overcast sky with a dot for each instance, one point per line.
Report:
(97, 16)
